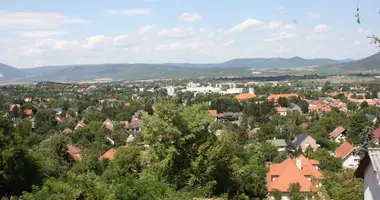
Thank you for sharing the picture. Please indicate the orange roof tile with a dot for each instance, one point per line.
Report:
(74, 152)
(127, 104)
(287, 173)
(336, 132)
(154, 108)
(214, 113)
(28, 111)
(320, 107)
(343, 150)
(110, 154)
(275, 97)
(244, 96)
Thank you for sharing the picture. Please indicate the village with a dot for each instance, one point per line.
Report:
(306, 141)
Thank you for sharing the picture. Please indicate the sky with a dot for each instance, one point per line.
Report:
(45, 32)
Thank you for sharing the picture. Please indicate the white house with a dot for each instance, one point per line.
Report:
(338, 134)
(347, 153)
(369, 169)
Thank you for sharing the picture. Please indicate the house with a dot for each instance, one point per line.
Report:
(338, 135)
(376, 136)
(321, 107)
(245, 96)
(80, 124)
(369, 170)
(110, 155)
(74, 152)
(58, 111)
(28, 99)
(371, 118)
(28, 112)
(275, 97)
(294, 107)
(67, 130)
(108, 124)
(282, 111)
(304, 141)
(14, 106)
(293, 170)
(346, 152)
(134, 126)
(280, 144)
(229, 116)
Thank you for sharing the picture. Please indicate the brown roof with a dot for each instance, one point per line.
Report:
(110, 154)
(343, 150)
(275, 97)
(245, 96)
(28, 111)
(288, 173)
(336, 132)
(73, 151)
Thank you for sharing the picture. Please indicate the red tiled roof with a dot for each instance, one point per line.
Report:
(245, 96)
(154, 108)
(376, 134)
(275, 97)
(336, 132)
(127, 104)
(343, 150)
(101, 101)
(110, 154)
(287, 173)
(281, 109)
(214, 113)
(73, 151)
(12, 106)
(28, 111)
(320, 107)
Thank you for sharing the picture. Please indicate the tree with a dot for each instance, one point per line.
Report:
(295, 193)
(364, 104)
(367, 96)
(277, 195)
(327, 161)
(356, 128)
(343, 185)
(267, 151)
(283, 101)
(366, 141)
(304, 106)
(374, 94)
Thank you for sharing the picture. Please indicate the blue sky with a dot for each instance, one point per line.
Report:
(44, 32)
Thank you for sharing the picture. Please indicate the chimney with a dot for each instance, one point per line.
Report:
(299, 163)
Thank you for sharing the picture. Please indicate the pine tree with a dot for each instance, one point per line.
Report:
(366, 141)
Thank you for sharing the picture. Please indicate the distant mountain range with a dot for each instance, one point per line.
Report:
(235, 67)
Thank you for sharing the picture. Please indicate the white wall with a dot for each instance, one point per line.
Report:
(371, 185)
(351, 161)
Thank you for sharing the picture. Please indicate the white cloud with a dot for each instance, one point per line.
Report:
(131, 12)
(35, 20)
(146, 28)
(39, 34)
(289, 26)
(363, 30)
(274, 24)
(177, 46)
(321, 28)
(357, 42)
(280, 36)
(282, 49)
(317, 36)
(314, 15)
(93, 41)
(177, 32)
(229, 43)
(249, 23)
(190, 17)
